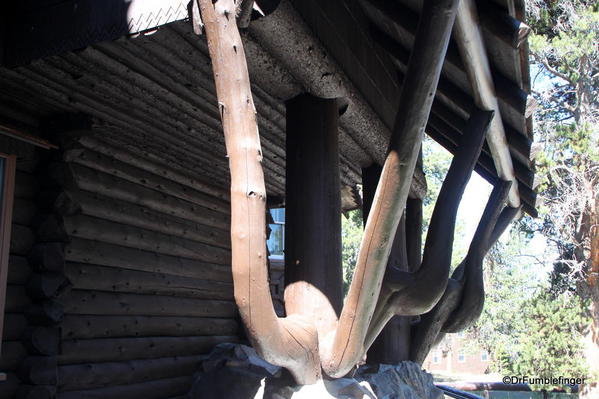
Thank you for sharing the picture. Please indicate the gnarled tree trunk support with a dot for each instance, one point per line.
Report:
(393, 343)
(290, 342)
(313, 274)
(411, 294)
(432, 38)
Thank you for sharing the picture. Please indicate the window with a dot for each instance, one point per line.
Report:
(436, 358)
(276, 241)
(461, 357)
(7, 186)
(484, 356)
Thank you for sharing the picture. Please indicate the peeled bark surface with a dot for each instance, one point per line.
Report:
(290, 342)
(416, 98)
(416, 285)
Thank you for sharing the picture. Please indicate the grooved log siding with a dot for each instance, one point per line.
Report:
(22, 238)
(147, 257)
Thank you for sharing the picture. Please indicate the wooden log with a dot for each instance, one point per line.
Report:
(46, 285)
(98, 253)
(36, 392)
(14, 326)
(21, 239)
(87, 327)
(498, 22)
(108, 303)
(101, 230)
(45, 313)
(26, 185)
(135, 215)
(432, 38)
(9, 387)
(90, 277)
(39, 370)
(98, 375)
(391, 346)
(406, 20)
(47, 257)
(154, 167)
(122, 349)
(111, 166)
(313, 273)
(50, 228)
(158, 389)
(13, 353)
(18, 270)
(23, 211)
(41, 340)
(87, 179)
(17, 299)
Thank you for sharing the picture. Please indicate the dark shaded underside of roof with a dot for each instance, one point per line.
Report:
(155, 94)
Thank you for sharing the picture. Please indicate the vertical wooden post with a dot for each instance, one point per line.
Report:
(393, 344)
(313, 274)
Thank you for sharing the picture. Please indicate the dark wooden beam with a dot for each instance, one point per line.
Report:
(498, 22)
(396, 14)
(462, 103)
(38, 30)
(313, 275)
(393, 344)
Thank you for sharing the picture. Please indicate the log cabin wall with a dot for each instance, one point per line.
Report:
(134, 280)
(18, 333)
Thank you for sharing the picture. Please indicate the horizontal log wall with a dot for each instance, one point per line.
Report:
(136, 271)
(17, 333)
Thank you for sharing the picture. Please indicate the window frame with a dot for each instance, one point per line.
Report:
(6, 210)
(461, 355)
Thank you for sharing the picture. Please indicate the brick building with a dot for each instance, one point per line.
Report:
(458, 354)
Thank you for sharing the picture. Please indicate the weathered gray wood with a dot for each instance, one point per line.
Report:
(18, 270)
(158, 389)
(135, 215)
(14, 326)
(47, 257)
(17, 299)
(45, 313)
(90, 277)
(42, 340)
(121, 349)
(114, 167)
(84, 178)
(109, 303)
(87, 327)
(21, 239)
(98, 253)
(134, 159)
(13, 353)
(101, 230)
(39, 370)
(46, 285)
(97, 375)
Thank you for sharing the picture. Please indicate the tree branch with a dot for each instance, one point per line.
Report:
(290, 342)
(416, 98)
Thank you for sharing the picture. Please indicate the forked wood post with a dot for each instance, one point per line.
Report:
(318, 337)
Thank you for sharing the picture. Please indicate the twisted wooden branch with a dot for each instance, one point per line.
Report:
(410, 294)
